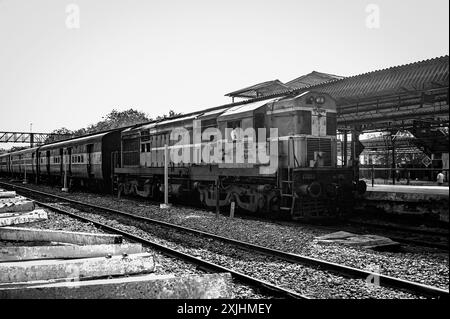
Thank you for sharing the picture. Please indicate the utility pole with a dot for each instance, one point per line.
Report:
(64, 159)
(31, 135)
(166, 178)
(394, 165)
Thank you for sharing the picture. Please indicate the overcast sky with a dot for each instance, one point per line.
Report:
(185, 55)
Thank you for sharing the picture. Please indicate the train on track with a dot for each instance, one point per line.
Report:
(263, 155)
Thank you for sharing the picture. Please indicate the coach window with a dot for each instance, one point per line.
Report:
(142, 148)
(147, 146)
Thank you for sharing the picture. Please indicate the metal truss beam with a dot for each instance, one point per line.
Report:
(396, 110)
(27, 137)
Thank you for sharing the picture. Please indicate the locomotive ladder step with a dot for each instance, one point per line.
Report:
(287, 195)
(289, 182)
(285, 208)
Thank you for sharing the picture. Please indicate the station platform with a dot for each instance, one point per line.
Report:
(422, 202)
(429, 190)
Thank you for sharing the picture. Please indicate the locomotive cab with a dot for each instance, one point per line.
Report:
(310, 183)
(307, 130)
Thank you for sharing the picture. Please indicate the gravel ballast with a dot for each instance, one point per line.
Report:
(308, 281)
(425, 266)
(165, 265)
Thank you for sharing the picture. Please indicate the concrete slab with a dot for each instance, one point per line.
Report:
(2, 215)
(18, 198)
(79, 238)
(209, 286)
(35, 270)
(8, 194)
(363, 241)
(34, 216)
(17, 253)
(17, 206)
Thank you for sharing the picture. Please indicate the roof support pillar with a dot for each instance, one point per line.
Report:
(344, 149)
(354, 154)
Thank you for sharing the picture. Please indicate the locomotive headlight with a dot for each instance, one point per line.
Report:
(320, 100)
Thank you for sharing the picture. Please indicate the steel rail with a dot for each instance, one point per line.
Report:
(384, 280)
(203, 264)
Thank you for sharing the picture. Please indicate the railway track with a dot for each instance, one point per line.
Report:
(342, 270)
(273, 290)
(406, 235)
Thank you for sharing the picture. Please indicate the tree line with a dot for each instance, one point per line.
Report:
(114, 119)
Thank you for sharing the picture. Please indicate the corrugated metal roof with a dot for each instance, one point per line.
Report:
(260, 89)
(420, 75)
(312, 78)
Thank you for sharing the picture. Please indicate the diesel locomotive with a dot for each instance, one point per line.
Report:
(265, 155)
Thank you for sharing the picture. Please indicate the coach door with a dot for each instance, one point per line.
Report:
(89, 151)
(38, 164)
(62, 161)
(48, 162)
(69, 155)
(33, 162)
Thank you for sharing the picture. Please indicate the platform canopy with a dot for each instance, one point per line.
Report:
(260, 89)
(313, 78)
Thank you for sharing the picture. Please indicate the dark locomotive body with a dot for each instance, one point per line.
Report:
(306, 181)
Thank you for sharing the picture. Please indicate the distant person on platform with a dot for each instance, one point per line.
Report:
(440, 178)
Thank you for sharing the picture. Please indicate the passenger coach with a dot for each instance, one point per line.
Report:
(86, 160)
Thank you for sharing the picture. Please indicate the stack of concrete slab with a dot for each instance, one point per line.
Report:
(209, 286)
(49, 263)
(84, 260)
(16, 210)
